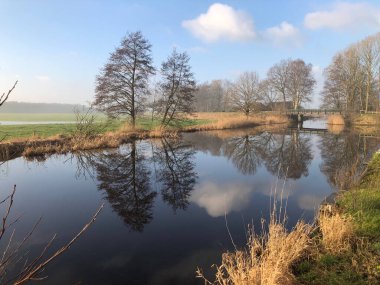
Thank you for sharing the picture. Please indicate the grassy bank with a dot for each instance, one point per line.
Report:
(343, 247)
(39, 140)
(359, 262)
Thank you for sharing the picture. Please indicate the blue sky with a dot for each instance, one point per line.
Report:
(56, 48)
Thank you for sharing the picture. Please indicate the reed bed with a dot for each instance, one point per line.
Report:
(335, 120)
(222, 121)
(267, 259)
(335, 129)
(337, 231)
(366, 120)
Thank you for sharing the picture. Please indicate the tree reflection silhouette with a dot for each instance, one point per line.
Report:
(343, 157)
(288, 156)
(125, 177)
(284, 155)
(245, 152)
(176, 172)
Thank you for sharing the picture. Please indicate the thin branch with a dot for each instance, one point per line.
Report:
(31, 274)
(4, 97)
(7, 213)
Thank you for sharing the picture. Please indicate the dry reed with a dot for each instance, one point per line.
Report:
(222, 121)
(268, 259)
(366, 120)
(335, 129)
(335, 120)
(337, 231)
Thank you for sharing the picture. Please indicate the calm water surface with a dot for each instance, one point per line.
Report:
(167, 202)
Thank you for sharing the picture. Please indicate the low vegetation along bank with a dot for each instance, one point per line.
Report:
(343, 247)
(38, 140)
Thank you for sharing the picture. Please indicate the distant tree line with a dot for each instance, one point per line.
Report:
(24, 107)
(288, 85)
(352, 78)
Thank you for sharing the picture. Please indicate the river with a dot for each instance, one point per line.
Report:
(173, 205)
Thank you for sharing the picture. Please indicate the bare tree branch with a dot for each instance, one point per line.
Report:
(32, 271)
(4, 96)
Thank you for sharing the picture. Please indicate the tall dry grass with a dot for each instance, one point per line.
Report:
(337, 231)
(366, 120)
(335, 120)
(268, 258)
(335, 129)
(233, 120)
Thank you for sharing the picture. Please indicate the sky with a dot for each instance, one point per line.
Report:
(56, 48)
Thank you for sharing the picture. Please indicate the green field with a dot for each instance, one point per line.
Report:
(47, 130)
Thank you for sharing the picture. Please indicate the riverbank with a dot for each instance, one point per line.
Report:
(69, 138)
(343, 247)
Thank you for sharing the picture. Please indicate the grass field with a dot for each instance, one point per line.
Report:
(22, 131)
(46, 130)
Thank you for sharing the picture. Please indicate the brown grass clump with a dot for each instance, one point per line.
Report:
(335, 120)
(335, 129)
(337, 231)
(367, 119)
(268, 259)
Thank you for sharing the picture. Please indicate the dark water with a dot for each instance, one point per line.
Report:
(167, 202)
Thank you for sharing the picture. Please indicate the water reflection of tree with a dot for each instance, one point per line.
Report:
(246, 151)
(124, 176)
(343, 157)
(176, 172)
(284, 155)
(288, 156)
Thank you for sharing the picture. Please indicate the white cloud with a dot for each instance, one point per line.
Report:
(221, 199)
(42, 78)
(344, 16)
(284, 34)
(221, 22)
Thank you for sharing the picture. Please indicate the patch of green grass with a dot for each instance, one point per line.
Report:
(47, 130)
(328, 270)
(363, 202)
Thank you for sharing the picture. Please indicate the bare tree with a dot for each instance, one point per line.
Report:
(300, 82)
(122, 85)
(333, 93)
(370, 59)
(177, 87)
(344, 82)
(269, 94)
(211, 97)
(352, 79)
(245, 93)
(277, 77)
